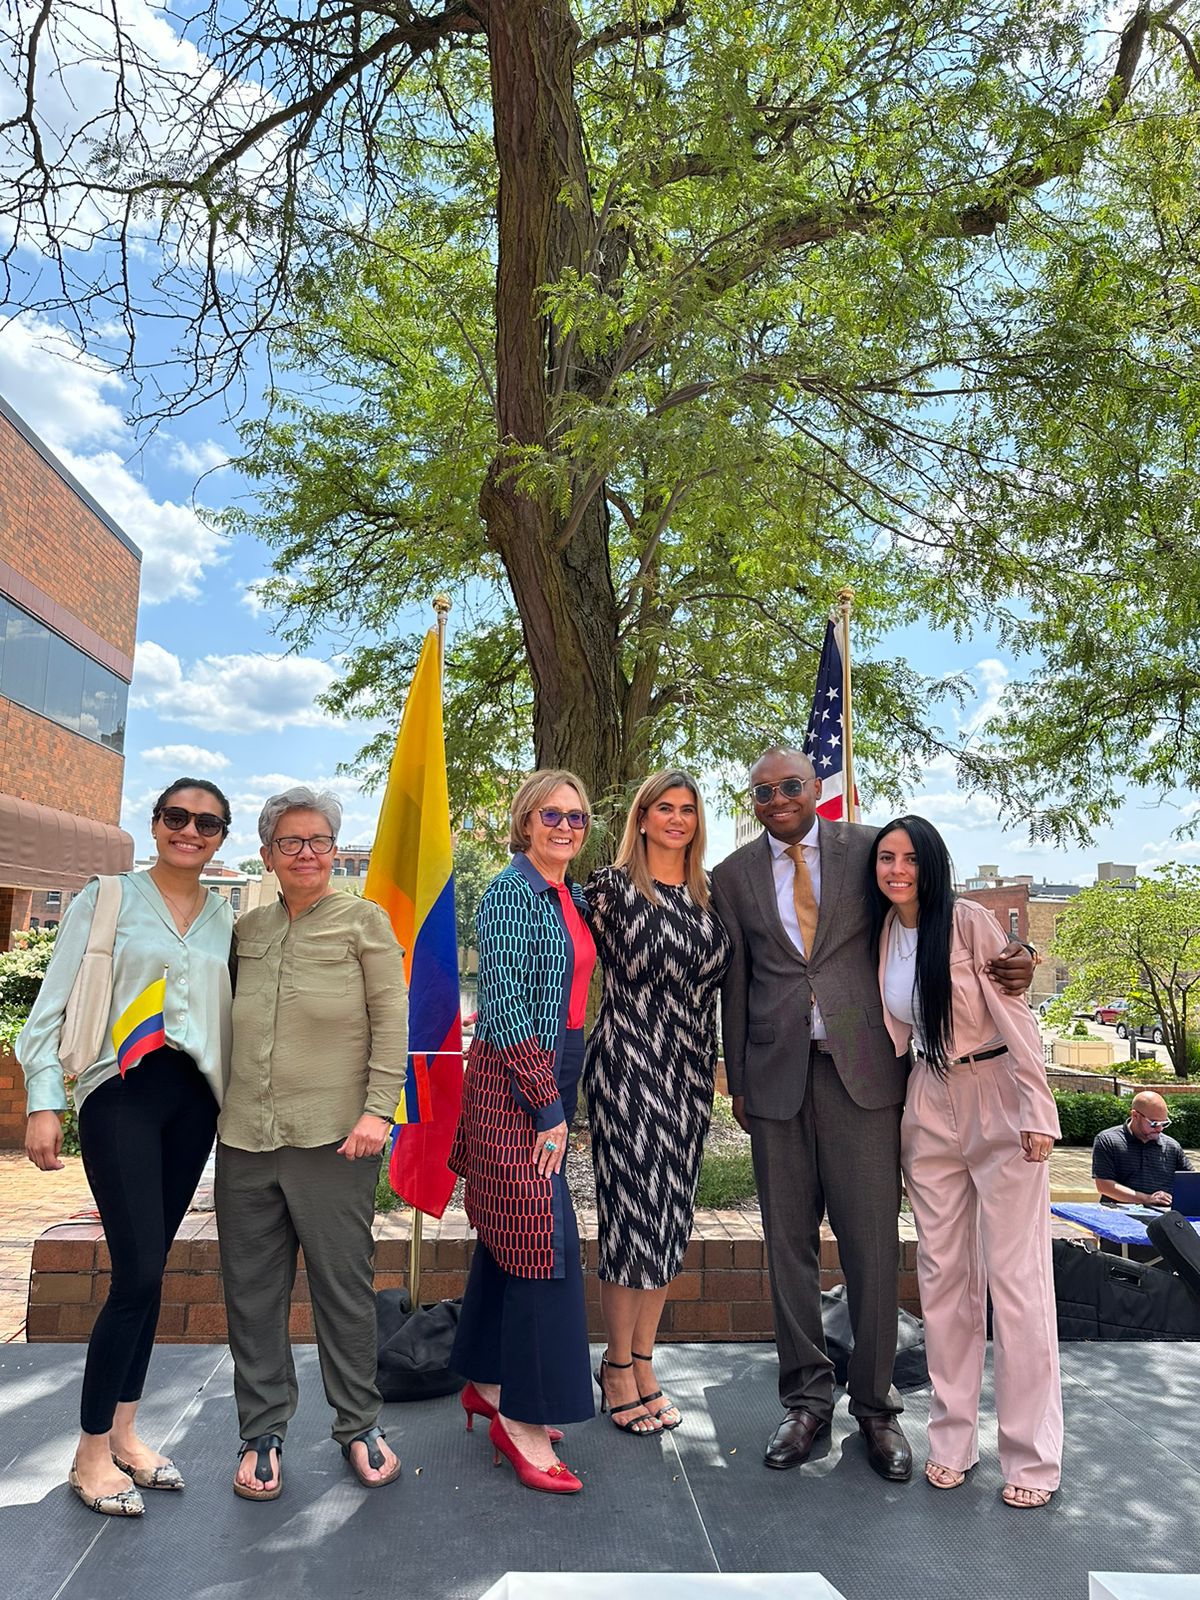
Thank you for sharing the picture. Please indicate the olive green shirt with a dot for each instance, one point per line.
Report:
(320, 1024)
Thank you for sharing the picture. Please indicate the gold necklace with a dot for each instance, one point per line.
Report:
(188, 917)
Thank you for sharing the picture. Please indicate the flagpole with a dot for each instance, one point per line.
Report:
(849, 810)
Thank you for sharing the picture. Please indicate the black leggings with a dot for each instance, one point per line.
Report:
(144, 1140)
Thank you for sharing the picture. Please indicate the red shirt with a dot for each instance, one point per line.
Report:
(584, 951)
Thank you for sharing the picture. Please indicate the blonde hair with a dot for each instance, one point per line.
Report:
(532, 796)
(631, 857)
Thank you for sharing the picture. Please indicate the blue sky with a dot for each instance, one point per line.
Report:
(215, 695)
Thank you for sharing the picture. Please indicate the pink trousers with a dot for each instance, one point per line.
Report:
(983, 1222)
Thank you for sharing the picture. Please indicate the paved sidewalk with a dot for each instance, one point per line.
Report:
(30, 1202)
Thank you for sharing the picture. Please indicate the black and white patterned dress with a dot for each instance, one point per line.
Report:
(648, 1071)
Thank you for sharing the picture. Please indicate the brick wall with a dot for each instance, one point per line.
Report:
(721, 1292)
(54, 539)
(1002, 902)
(54, 767)
(12, 1102)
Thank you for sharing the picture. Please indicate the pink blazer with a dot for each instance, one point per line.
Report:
(981, 1010)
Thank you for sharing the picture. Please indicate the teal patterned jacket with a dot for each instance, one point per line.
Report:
(526, 961)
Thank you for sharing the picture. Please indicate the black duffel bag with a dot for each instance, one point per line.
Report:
(413, 1347)
(910, 1370)
(1106, 1297)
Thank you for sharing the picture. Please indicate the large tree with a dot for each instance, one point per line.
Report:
(1141, 941)
(649, 327)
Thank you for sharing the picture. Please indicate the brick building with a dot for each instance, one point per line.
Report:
(69, 582)
(1026, 910)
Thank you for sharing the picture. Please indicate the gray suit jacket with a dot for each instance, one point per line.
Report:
(765, 1004)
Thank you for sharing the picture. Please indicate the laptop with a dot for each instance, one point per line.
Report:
(1185, 1193)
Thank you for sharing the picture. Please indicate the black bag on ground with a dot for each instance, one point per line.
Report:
(1106, 1297)
(910, 1370)
(413, 1347)
(1173, 1236)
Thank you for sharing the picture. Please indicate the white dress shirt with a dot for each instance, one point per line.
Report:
(784, 869)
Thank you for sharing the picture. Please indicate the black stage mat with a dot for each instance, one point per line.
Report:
(695, 1501)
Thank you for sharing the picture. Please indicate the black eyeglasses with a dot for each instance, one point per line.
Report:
(174, 818)
(291, 844)
(791, 787)
(554, 818)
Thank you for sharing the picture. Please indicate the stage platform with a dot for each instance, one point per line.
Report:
(697, 1500)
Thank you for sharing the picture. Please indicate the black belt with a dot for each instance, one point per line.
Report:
(962, 1061)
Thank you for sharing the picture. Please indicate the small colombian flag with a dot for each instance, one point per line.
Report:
(141, 1027)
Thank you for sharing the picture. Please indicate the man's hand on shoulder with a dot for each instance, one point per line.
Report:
(1012, 969)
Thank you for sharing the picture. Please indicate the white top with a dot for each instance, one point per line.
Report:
(900, 979)
(784, 869)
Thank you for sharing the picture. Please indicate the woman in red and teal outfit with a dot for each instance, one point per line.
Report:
(522, 1337)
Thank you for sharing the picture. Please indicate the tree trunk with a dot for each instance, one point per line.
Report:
(562, 587)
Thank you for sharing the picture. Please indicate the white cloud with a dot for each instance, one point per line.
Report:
(234, 693)
(185, 758)
(198, 457)
(992, 678)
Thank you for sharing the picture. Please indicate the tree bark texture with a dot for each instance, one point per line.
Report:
(562, 584)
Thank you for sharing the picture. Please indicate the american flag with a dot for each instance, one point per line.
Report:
(823, 741)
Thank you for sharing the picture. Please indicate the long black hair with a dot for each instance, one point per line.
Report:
(935, 898)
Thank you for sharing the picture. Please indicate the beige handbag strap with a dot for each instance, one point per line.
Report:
(104, 919)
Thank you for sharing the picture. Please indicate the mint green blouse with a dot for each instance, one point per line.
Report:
(199, 997)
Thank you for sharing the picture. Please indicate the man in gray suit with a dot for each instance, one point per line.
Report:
(817, 1084)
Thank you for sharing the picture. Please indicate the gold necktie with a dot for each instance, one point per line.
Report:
(803, 897)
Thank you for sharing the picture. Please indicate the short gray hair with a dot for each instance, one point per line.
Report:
(299, 799)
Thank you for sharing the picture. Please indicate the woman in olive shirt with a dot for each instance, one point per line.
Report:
(320, 1041)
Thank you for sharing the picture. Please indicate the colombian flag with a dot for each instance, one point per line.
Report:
(411, 876)
(141, 1027)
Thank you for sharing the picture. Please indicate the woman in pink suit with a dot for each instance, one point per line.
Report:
(979, 1124)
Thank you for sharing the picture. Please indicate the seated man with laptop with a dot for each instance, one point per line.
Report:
(1134, 1164)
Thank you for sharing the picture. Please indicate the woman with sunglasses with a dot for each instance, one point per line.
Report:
(320, 1052)
(147, 1110)
(649, 1077)
(978, 1127)
(522, 1337)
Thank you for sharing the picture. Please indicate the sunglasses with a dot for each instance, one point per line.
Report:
(554, 818)
(1152, 1123)
(790, 787)
(174, 818)
(291, 844)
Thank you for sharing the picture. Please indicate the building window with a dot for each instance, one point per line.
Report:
(42, 671)
(1014, 924)
(53, 898)
(352, 868)
(235, 898)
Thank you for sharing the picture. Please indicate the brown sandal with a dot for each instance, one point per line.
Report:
(371, 1437)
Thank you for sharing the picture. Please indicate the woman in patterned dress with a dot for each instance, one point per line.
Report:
(649, 1077)
(522, 1337)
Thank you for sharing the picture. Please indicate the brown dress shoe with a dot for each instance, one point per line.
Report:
(793, 1440)
(888, 1451)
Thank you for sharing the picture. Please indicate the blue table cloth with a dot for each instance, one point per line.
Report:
(1106, 1222)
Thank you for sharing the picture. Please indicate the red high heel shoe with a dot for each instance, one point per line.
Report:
(558, 1479)
(475, 1405)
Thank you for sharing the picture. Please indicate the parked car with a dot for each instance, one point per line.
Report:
(1111, 1012)
(1154, 1031)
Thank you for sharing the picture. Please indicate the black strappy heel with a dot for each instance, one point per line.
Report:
(659, 1395)
(630, 1425)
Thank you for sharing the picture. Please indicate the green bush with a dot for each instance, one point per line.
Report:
(385, 1196)
(1083, 1116)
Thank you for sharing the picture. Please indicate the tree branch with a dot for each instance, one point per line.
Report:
(634, 29)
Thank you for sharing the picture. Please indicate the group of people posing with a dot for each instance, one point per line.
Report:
(872, 1023)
